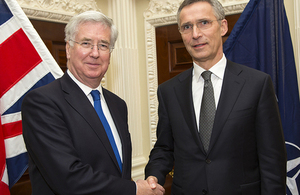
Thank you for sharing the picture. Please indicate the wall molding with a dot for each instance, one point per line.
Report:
(55, 10)
(162, 13)
(123, 77)
(297, 37)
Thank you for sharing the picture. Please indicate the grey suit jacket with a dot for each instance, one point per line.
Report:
(247, 151)
(69, 151)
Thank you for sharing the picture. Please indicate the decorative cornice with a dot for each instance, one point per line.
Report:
(162, 8)
(162, 21)
(56, 10)
(235, 8)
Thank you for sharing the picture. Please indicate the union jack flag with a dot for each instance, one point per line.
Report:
(25, 64)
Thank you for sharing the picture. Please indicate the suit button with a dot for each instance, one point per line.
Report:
(204, 192)
(208, 161)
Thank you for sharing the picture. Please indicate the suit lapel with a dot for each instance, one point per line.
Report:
(231, 88)
(183, 93)
(78, 100)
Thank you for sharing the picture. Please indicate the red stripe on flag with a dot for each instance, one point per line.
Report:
(12, 129)
(2, 152)
(17, 57)
(3, 187)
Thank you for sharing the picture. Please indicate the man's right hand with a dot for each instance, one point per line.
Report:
(151, 187)
(152, 181)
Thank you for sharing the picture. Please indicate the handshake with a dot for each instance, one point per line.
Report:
(149, 186)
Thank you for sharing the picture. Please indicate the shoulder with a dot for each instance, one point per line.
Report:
(111, 96)
(52, 90)
(48, 89)
(183, 76)
(244, 71)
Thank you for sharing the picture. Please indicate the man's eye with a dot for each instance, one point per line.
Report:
(186, 27)
(86, 44)
(103, 45)
(204, 22)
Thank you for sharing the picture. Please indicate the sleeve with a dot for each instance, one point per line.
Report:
(270, 142)
(161, 158)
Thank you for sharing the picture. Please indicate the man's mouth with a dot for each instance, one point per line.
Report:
(199, 45)
(93, 64)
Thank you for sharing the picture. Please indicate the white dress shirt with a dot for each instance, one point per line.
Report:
(217, 76)
(87, 91)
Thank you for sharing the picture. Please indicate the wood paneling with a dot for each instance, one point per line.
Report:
(172, 57)
(53, 36)
(23, 186)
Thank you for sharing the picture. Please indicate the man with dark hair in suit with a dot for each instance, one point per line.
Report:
(219, 124)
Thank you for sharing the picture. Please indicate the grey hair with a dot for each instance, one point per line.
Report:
(216, 5)
(71, 28)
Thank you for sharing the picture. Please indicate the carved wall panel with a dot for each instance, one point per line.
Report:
(55, 10)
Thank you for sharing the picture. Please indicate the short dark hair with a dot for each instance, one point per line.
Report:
(216, 5)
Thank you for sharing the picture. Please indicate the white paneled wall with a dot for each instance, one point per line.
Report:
(124, 75)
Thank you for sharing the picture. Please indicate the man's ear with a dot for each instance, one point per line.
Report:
(224, 27)
(68, 50)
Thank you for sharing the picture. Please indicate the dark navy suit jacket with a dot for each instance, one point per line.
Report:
(69, 151)
(247, 153)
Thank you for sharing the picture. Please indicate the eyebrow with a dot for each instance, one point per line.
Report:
(199, 20)
(101, 41)
(104, 41)
(186, 23)
(86, 39)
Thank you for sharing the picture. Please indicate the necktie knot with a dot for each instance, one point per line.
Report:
(95, 94)
(206, 75)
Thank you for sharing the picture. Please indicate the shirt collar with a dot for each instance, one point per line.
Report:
(86, 90)
(218, 69)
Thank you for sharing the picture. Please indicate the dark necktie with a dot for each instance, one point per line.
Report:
(97, 105)
(207, 111)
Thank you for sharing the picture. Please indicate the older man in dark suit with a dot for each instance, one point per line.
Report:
(75, 131)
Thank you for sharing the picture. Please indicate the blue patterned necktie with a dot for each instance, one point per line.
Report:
(207, 111)
(97, 105)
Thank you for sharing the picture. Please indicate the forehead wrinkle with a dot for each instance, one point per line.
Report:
(86, 39)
